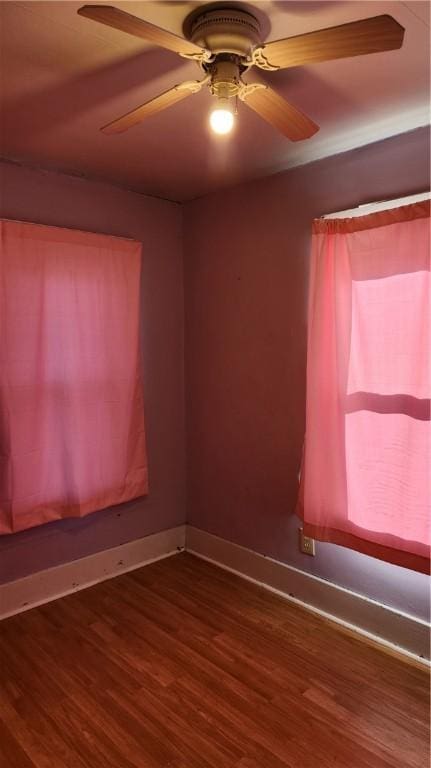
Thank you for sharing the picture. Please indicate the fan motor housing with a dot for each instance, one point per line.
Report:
(225, 76)
(226, 31)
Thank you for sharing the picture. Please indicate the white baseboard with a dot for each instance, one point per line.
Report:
(379, 623)
(402, 633)
(52, 583)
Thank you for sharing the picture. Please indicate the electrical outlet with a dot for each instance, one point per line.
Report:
(307, 545)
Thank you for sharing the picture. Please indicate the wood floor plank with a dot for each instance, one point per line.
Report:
(11, 752)
(183, 665)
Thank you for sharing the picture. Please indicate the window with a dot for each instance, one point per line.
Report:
(366, 474)
(71, 402)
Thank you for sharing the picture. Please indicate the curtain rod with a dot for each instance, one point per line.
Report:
(375, 204)
(70, 229)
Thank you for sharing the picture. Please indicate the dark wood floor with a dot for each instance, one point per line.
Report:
(183, 665)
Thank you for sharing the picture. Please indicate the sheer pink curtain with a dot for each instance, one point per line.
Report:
(72, 434)
(366, 473)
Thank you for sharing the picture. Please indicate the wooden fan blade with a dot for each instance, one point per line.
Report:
(165, 100)
(113, 17)
(278, 112)
(381, 33)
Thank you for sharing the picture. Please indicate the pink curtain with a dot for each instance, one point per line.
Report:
(72, 434)
(366, 473)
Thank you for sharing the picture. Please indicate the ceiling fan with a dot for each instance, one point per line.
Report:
(226, 43)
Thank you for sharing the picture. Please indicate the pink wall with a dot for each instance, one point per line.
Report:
(60, 200)
(246, 263)
(246, 260)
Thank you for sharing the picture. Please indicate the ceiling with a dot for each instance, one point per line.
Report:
(64, 76)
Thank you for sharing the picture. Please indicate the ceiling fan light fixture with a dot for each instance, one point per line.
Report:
(222, 117)
(226, 42)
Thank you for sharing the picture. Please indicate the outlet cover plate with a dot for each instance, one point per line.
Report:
(307, 545)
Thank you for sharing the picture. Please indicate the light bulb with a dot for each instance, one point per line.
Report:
(222, 118)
